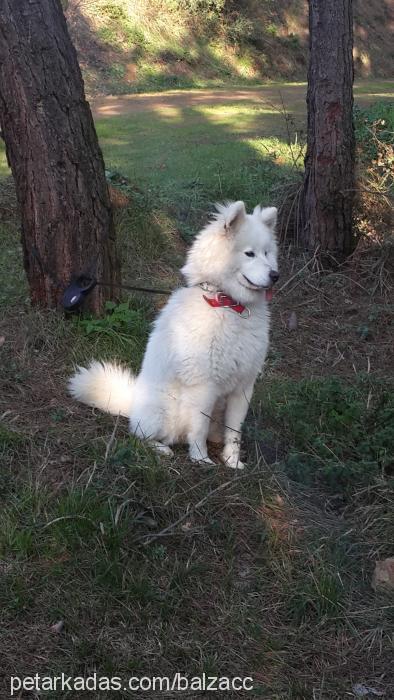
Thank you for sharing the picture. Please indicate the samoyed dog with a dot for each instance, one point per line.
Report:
(207, 346)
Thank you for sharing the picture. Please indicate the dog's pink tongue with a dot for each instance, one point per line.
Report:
(269, 294)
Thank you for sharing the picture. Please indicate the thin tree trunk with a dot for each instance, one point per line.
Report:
(52, 148)
(327, 199)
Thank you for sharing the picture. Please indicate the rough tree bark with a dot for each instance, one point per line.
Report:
(327, 197)
(52, 148)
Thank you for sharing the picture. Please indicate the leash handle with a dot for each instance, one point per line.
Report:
(75, 294)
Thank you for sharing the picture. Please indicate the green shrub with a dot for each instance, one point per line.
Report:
(202, 7)
(108, 35)
(120, 319)
(272, 29)
(120, 334)
(293, 41)
(339, 435)
(134, 35)
(206, 15)
(118, 30)
(113, 11)
(117, 70)
(240, 30)
(372, 126)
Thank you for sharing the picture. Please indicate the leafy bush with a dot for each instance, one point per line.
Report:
(205, 15)
(117, 70)
(373, 126)
(119, 319)
(121, 333)
(118, 30)
(272, 29)
(292, 41)
(203, 7)
(240, 30)
(374, 129)
(113, 11)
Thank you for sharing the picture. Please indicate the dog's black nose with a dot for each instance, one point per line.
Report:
(274, 276)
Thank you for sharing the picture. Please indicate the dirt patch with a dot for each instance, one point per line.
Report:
(293, 96)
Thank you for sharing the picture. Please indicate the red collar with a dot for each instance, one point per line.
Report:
(224, 301)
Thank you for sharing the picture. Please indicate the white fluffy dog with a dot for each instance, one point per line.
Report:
(208, 343)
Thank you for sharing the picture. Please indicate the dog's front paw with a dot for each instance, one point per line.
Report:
(202, 460)
(230, 456)
(161, 449)
(198, 454)
(235, 464)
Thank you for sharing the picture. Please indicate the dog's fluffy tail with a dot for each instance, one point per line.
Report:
(104, 385)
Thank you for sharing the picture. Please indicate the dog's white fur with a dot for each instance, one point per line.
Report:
(201, 362)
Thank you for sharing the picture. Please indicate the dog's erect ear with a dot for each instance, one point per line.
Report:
(269, 216)
(233, 214)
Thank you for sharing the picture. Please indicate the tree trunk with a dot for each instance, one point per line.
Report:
(52, 148)
(328, 190)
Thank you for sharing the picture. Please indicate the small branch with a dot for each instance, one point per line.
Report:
(294, 276)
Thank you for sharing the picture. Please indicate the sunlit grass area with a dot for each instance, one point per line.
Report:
(209, 153)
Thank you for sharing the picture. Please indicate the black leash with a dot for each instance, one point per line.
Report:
(76, 293)
(80, 287)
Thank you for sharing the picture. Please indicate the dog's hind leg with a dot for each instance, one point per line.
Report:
(237, 408)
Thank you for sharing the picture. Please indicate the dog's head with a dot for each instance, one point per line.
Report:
(237, 252)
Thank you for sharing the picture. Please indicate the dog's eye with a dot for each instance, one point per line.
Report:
(249, 253)
(265, 253)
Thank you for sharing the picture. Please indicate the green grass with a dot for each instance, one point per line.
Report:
(216, 136)
(77, 554)
(13, 289)
(122, 331)
(186, 159)
(75, 546)
(374, 125)
(340, 435)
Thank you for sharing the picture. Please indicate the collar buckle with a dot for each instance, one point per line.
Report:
(207, 287)
(245, 313)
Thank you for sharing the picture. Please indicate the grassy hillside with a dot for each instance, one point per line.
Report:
(140, 45)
